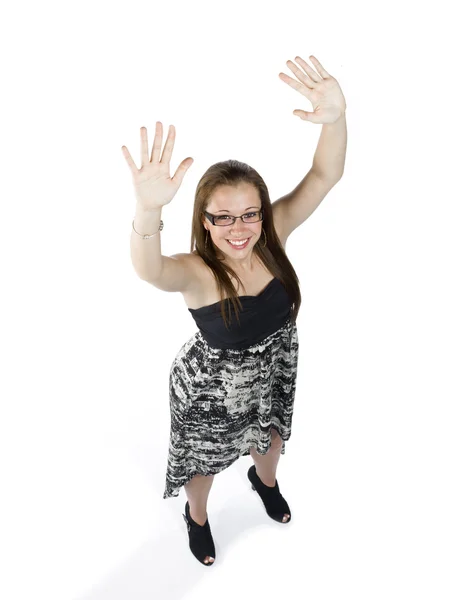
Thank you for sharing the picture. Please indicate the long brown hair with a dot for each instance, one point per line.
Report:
(233, 172)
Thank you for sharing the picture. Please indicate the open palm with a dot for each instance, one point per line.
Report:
(320, 88)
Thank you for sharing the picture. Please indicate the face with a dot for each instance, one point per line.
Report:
(228, 200)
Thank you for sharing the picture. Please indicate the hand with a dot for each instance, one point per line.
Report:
(153, 185)
(320, 88)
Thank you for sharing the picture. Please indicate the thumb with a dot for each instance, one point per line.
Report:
(182, 170)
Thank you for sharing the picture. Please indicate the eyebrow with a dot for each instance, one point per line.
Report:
(223, 209)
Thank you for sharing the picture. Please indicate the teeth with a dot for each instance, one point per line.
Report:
(238, 243)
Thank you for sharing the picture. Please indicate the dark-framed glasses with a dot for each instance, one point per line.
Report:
(223, 220)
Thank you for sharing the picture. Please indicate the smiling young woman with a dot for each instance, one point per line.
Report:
(236, 367)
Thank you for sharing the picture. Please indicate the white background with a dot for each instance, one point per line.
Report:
(87, 346)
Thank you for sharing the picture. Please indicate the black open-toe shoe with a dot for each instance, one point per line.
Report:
(201, 542)
(274, 502)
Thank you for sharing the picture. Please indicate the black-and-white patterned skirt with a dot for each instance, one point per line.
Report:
(223, 401)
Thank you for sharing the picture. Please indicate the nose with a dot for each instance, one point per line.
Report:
(238, 233)
(238, 226)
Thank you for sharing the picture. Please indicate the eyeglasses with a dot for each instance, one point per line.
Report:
(223, 220)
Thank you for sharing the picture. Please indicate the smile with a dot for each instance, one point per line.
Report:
(238, 243)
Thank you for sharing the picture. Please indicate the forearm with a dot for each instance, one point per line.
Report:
(330, 155)
(146, 253)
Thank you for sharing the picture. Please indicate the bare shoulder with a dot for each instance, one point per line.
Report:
(193, 263)
(180, 273)
(200, 273)
(200, 279)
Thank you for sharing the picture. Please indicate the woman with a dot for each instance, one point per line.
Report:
(232, 384)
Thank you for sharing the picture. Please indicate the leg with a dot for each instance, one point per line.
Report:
(266, 464)
(197, 492)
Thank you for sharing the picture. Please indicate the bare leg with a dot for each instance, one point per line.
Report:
(197, 492)
(266, 464)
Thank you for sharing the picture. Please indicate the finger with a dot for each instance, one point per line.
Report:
(170, 142)
(157, 143)
(295, 84)
(310, 72)
(309, 83)
(129, 160)
(307, 116)
(301, 113)
(319, 67)
(143, 145)
(182, 170)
